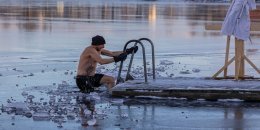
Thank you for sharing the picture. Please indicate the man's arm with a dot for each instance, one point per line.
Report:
(99, 59)
(110, 53)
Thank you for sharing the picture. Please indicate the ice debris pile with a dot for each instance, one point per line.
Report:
(67, 103)
(61, 105)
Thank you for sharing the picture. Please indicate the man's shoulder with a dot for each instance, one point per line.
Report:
(89, 49)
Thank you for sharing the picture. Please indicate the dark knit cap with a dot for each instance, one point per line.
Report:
(98, 40)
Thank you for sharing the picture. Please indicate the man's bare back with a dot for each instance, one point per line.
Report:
(87, 65)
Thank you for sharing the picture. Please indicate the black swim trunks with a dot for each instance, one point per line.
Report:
(88, 83)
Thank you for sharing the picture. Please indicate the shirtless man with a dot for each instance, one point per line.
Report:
(87, 78)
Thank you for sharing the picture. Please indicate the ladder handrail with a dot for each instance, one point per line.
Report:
(153, 56)
(130, 64)
(121, 63)
(144, 59)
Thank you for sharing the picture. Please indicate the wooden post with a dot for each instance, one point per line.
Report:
(227, 55)
(239, 59)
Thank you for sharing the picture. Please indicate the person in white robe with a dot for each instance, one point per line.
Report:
(237, 20)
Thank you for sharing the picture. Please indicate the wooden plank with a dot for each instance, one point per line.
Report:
(255, 26)
(224, 67)
(252, 64)
(233, 77)
(191, 88)
(194, 94)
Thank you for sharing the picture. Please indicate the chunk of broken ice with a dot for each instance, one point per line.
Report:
(41, 116)
(58, 118)
(31, 74)
(70, 116)
(30, 97)
(195, 70)
(24, 93)
(185, 72)
(27, 114)
(160, 68)
(92, 122)
(124, 115)
(117, 101)
(166, 62)
(19, 108)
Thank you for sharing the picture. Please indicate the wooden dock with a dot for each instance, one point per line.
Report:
(191, 89)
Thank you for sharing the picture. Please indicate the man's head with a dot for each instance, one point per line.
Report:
(98, 42)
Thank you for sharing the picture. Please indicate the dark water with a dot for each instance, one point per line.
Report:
(181, 25)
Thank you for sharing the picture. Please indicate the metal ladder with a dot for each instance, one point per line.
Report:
(128, 76)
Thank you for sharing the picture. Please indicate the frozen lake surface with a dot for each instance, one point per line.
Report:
(41, 42)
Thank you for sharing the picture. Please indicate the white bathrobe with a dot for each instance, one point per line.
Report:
(237, 21)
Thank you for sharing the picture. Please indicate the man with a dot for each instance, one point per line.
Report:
(87, 78)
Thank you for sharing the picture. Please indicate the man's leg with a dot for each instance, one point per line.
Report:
(109, 81)
(81, 83)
